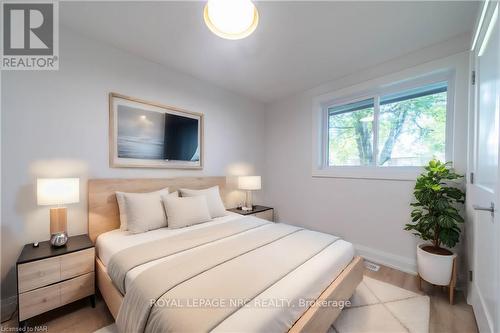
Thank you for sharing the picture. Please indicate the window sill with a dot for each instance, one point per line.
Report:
(377, 173)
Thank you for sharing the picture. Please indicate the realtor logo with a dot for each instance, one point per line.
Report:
(30, 36)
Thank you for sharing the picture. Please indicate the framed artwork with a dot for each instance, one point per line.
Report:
(149, 135)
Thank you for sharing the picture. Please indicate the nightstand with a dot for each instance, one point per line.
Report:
(49, 277)
(263, 212)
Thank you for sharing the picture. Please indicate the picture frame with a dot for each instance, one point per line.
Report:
(144, 134)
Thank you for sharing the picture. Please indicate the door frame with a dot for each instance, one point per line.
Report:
(473, 296)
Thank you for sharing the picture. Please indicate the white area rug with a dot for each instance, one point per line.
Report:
(382, 307)
(376, 307)
(108, 329)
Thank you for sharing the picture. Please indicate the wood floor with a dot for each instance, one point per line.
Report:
(80, 317)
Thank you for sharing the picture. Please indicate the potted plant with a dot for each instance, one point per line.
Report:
(436, 219)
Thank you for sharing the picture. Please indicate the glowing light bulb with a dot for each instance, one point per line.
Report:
(231, 19)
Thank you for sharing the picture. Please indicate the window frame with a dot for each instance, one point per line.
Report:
(374, 171)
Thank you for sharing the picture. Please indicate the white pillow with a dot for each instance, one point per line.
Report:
(120, 197)
(183, 212)
(214, 201)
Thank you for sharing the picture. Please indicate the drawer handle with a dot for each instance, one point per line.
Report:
(44, 300)
(41, 273)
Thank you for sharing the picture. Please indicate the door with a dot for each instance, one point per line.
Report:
(483, 190)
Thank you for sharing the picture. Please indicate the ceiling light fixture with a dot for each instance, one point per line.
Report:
(231, 19)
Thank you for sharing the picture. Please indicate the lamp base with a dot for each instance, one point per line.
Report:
(58, 239)
(248, 201)
(58, 226)
(58, 220)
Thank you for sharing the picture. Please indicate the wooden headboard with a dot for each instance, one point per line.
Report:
(103, 208)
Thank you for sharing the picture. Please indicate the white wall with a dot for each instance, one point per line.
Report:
(369, 213)
(55, 124)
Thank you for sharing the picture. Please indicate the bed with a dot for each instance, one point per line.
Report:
(233, 273)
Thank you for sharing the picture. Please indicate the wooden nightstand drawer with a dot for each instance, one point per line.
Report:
(79, 287)
(38, 301)
(265, 215)
(77, 263)
(41, 300)
(37, 274)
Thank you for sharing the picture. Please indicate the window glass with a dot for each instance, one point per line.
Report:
(412, 126)
(350, 134)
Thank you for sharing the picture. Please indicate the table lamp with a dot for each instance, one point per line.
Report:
(58, 191)
(249, 183)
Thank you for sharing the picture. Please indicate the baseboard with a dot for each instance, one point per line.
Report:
(8, 307)
(388, 259)
(483, 322)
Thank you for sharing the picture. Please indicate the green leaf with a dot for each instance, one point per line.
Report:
(437, 195)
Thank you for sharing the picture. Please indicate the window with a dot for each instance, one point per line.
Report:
(350, 133)
(406, 127)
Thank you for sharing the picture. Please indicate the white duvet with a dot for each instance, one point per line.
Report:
(306, 282)
(114, 241)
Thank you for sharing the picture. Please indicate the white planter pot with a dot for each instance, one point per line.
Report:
(434, 268)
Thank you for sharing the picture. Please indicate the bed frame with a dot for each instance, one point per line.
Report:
(103, 215)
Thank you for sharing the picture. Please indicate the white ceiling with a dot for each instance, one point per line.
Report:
(297, 45)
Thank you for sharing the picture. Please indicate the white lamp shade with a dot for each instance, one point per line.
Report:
(249, 183)
(57, 191)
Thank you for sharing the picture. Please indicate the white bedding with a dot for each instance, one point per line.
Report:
(306, 282)
(116, 240)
